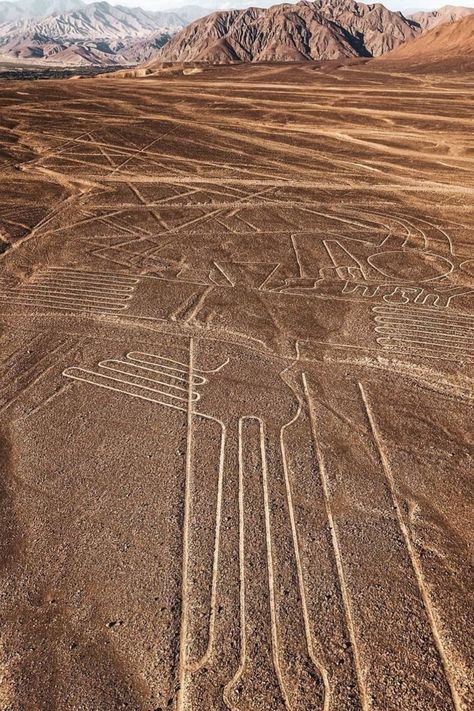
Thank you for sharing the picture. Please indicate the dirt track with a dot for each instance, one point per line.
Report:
(236, 338)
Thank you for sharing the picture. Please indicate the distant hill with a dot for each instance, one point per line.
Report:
(98, 33)
(323, 29)
(448, 13)
(27, 9)
(447, 47)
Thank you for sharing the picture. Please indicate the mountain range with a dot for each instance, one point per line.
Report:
(71, 32)
(318, 30)
(97, 33)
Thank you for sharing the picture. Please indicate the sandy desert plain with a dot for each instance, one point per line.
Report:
(236, 391)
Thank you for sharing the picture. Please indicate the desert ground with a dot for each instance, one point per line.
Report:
(236, 345)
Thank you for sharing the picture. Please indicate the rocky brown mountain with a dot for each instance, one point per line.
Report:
(323, 29)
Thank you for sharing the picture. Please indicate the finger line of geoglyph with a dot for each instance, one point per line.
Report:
(77, 285)
(64, 295)
(299, 567)
(99, 276)
(422, 322)
(346, 599)
(63, 305)
(91, 377)
(106, 364)
(421, 332)
(423, 312)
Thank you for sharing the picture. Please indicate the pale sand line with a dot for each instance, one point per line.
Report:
(461, 351)
(297, 256)
(111, 365)
(271, 576)
(64, 303)
(77, 287)
(195, 666)
(337, 554)
(183, 641)
(42, 374)
(439, 331)
(429, 607)
(299, 567)
(270, 569)
(58, 292)
(411, 323)
(242, 616)
(86, 309)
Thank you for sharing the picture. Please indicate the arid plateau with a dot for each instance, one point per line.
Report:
(236, 389)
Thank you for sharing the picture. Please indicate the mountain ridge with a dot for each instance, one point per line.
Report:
(96, 33)
(318, 30)
(76, 33)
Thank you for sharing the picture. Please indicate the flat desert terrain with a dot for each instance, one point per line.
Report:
(236, 389)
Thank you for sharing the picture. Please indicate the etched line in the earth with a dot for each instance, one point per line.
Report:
(247, 223)
(193, 310)
(193, 667)
(76, 281)
(422, 312)
(60, 391)
(270, 564)
(244, 622)
(299, 567)
(71, 307)
(163, 362)
(156, 216)
(242, 590)
(141, 151)
(183, 633)
(365, 703)
(267, 279)
(421, 322)
(102, 276)
(222, 271)
(460, 332)
(435, 352)
(53, 301)
(446, 236)
(11, 360)
(84, 296)
(133, 355)
(440, 328)
(20, 364)
(425, 333)
(301, 270)
(428, 343)
(418, 313)
(90, 376)
(74, 290)
(184, 307)
(160, 368)
(429, 607)
(64, 344)
(113, 366)
(120, 228)
(77, 287)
